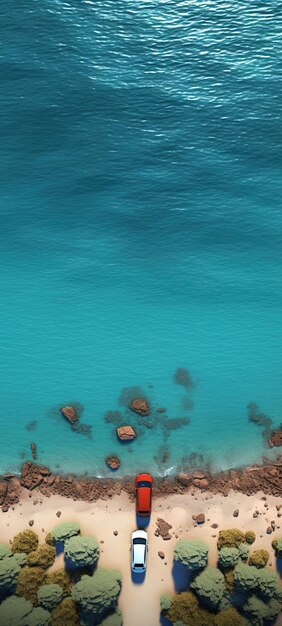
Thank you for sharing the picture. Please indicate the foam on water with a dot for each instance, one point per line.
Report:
(141, 228)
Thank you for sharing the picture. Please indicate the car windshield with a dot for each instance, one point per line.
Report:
(144, 483)
(138, 564)
(139, 540)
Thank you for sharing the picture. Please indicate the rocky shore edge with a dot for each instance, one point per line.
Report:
(36, 480)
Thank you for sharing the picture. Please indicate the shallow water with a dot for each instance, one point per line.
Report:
(141, 231)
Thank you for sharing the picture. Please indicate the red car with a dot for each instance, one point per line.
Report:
(144, 484)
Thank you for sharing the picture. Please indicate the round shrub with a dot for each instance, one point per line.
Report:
(267, 583)
(62, 532)
(82, 551)
(245, 577)
(5, 551)
(185, 609)
(230, 538)
(277, 547)
(273, 608)
(259, 558)
(256, 609)
(228, 557)
(250, 536)
(65, 614)
(44, 557)
(38, 617)
(49, 595)
(97, 594)
(9, 572)
(165, 602)
(59, 577)
(29, 581)
(192, 553)
(14, 611)
(26, 541)
(209, 586)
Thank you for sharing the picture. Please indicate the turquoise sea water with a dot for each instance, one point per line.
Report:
(140, 228)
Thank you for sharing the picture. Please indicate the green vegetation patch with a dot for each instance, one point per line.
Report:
(49, 595)
(98, 593)
(209, 586)
(62, 532)
(82, 551)
(192, 553)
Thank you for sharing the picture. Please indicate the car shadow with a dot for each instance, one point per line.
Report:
(182, 577)
(164, 621)
(279, 567)
(142, 522)
(138, 578)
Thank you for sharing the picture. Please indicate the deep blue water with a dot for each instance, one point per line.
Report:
(140, 227)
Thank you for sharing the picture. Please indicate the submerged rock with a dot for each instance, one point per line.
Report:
(33, 450)
(126, 433)
(113, 462)
(69, 413)
(139, 405)
(276, 438)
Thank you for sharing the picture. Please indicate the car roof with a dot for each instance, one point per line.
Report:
(139, 553)
(140, 534)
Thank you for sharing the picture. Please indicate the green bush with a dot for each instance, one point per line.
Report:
(44, 557)
(82, 551)
(65, 614)
(228, 557)
(59, 577)
(49, 596)
(267, 582)
(5, 551)
(230, 538)
(29, 581)
(250, 536)
(256, 609)
(192, 553)
(277, 547)
(9, 572)
(14, 611)
(259, 558)
(98, 593)
(244, 550)
(273, 608)
(62, 532)
(165, 602)
(209, 586)
(38, 617)
(245, 577)
(26, 541)
(185, 609)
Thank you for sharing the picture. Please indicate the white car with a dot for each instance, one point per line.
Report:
(139, 549)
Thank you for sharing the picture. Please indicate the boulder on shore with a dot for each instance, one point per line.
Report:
(69, 413)
(113, 462)
(126, 433)
(276, 438)
(139, 405)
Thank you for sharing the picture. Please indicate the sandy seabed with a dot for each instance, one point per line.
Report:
(140, 604)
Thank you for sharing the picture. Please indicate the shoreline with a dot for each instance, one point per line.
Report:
(266, 477)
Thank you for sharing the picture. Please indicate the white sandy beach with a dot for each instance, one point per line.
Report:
(140, 603)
